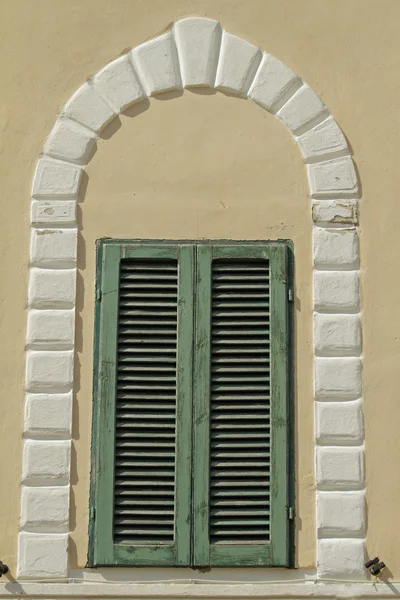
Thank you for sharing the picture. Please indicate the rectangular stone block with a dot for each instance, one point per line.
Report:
(340, 467)
(42, 555)
(52, 287)
(337, 291)
(342, 559)
(56, 178)
(335, 212)
(341, 514)
(335, 248)
(47, 462)
(52, 370)
(54, 247)
(339, 422)
(333, 178)
(46, 508)
(51, 328)
(338, 378)
(337, 334)
(53, 211)
(48, 414)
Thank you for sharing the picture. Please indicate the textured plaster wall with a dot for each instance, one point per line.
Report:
(349, 53)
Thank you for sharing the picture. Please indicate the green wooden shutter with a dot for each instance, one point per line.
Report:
(141, 473)
(241, 373)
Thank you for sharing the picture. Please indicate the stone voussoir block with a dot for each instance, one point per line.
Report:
(70, 141)
(324, 139)
(118, 84)
(340, 467)
(88, 108)
(48, 414)
(156, 63)
(273, 81)
(301, 109)
(237, 65)
(198, 41)
(333, 178)
(56, 178)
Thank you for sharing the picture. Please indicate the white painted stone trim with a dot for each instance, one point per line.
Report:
(195, 52)
(289, 586)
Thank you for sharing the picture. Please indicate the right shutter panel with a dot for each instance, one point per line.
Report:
(247, 385)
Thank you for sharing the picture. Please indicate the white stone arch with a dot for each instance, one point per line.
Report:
(195, 52)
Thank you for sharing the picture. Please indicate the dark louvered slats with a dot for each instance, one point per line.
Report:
(145, 452)
(240, 403)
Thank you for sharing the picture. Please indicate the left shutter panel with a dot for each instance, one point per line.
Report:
(143, 489)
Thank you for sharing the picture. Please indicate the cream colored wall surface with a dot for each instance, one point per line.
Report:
(177, 153)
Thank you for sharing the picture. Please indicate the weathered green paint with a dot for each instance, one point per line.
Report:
(184, 406)
(103, 549)
(192, 512)
(276, 552)
(201, 392)
(106, 384)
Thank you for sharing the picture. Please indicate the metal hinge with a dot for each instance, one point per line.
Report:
(98, 295)
(291, 513)
(92, 513)
(290, 295)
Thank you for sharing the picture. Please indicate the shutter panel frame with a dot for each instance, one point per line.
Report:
(102, 549)
(277, 552)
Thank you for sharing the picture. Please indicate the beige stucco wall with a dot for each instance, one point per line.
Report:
(228, 169)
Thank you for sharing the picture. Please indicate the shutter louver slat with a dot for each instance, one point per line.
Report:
(240, 454)
(145, 450)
